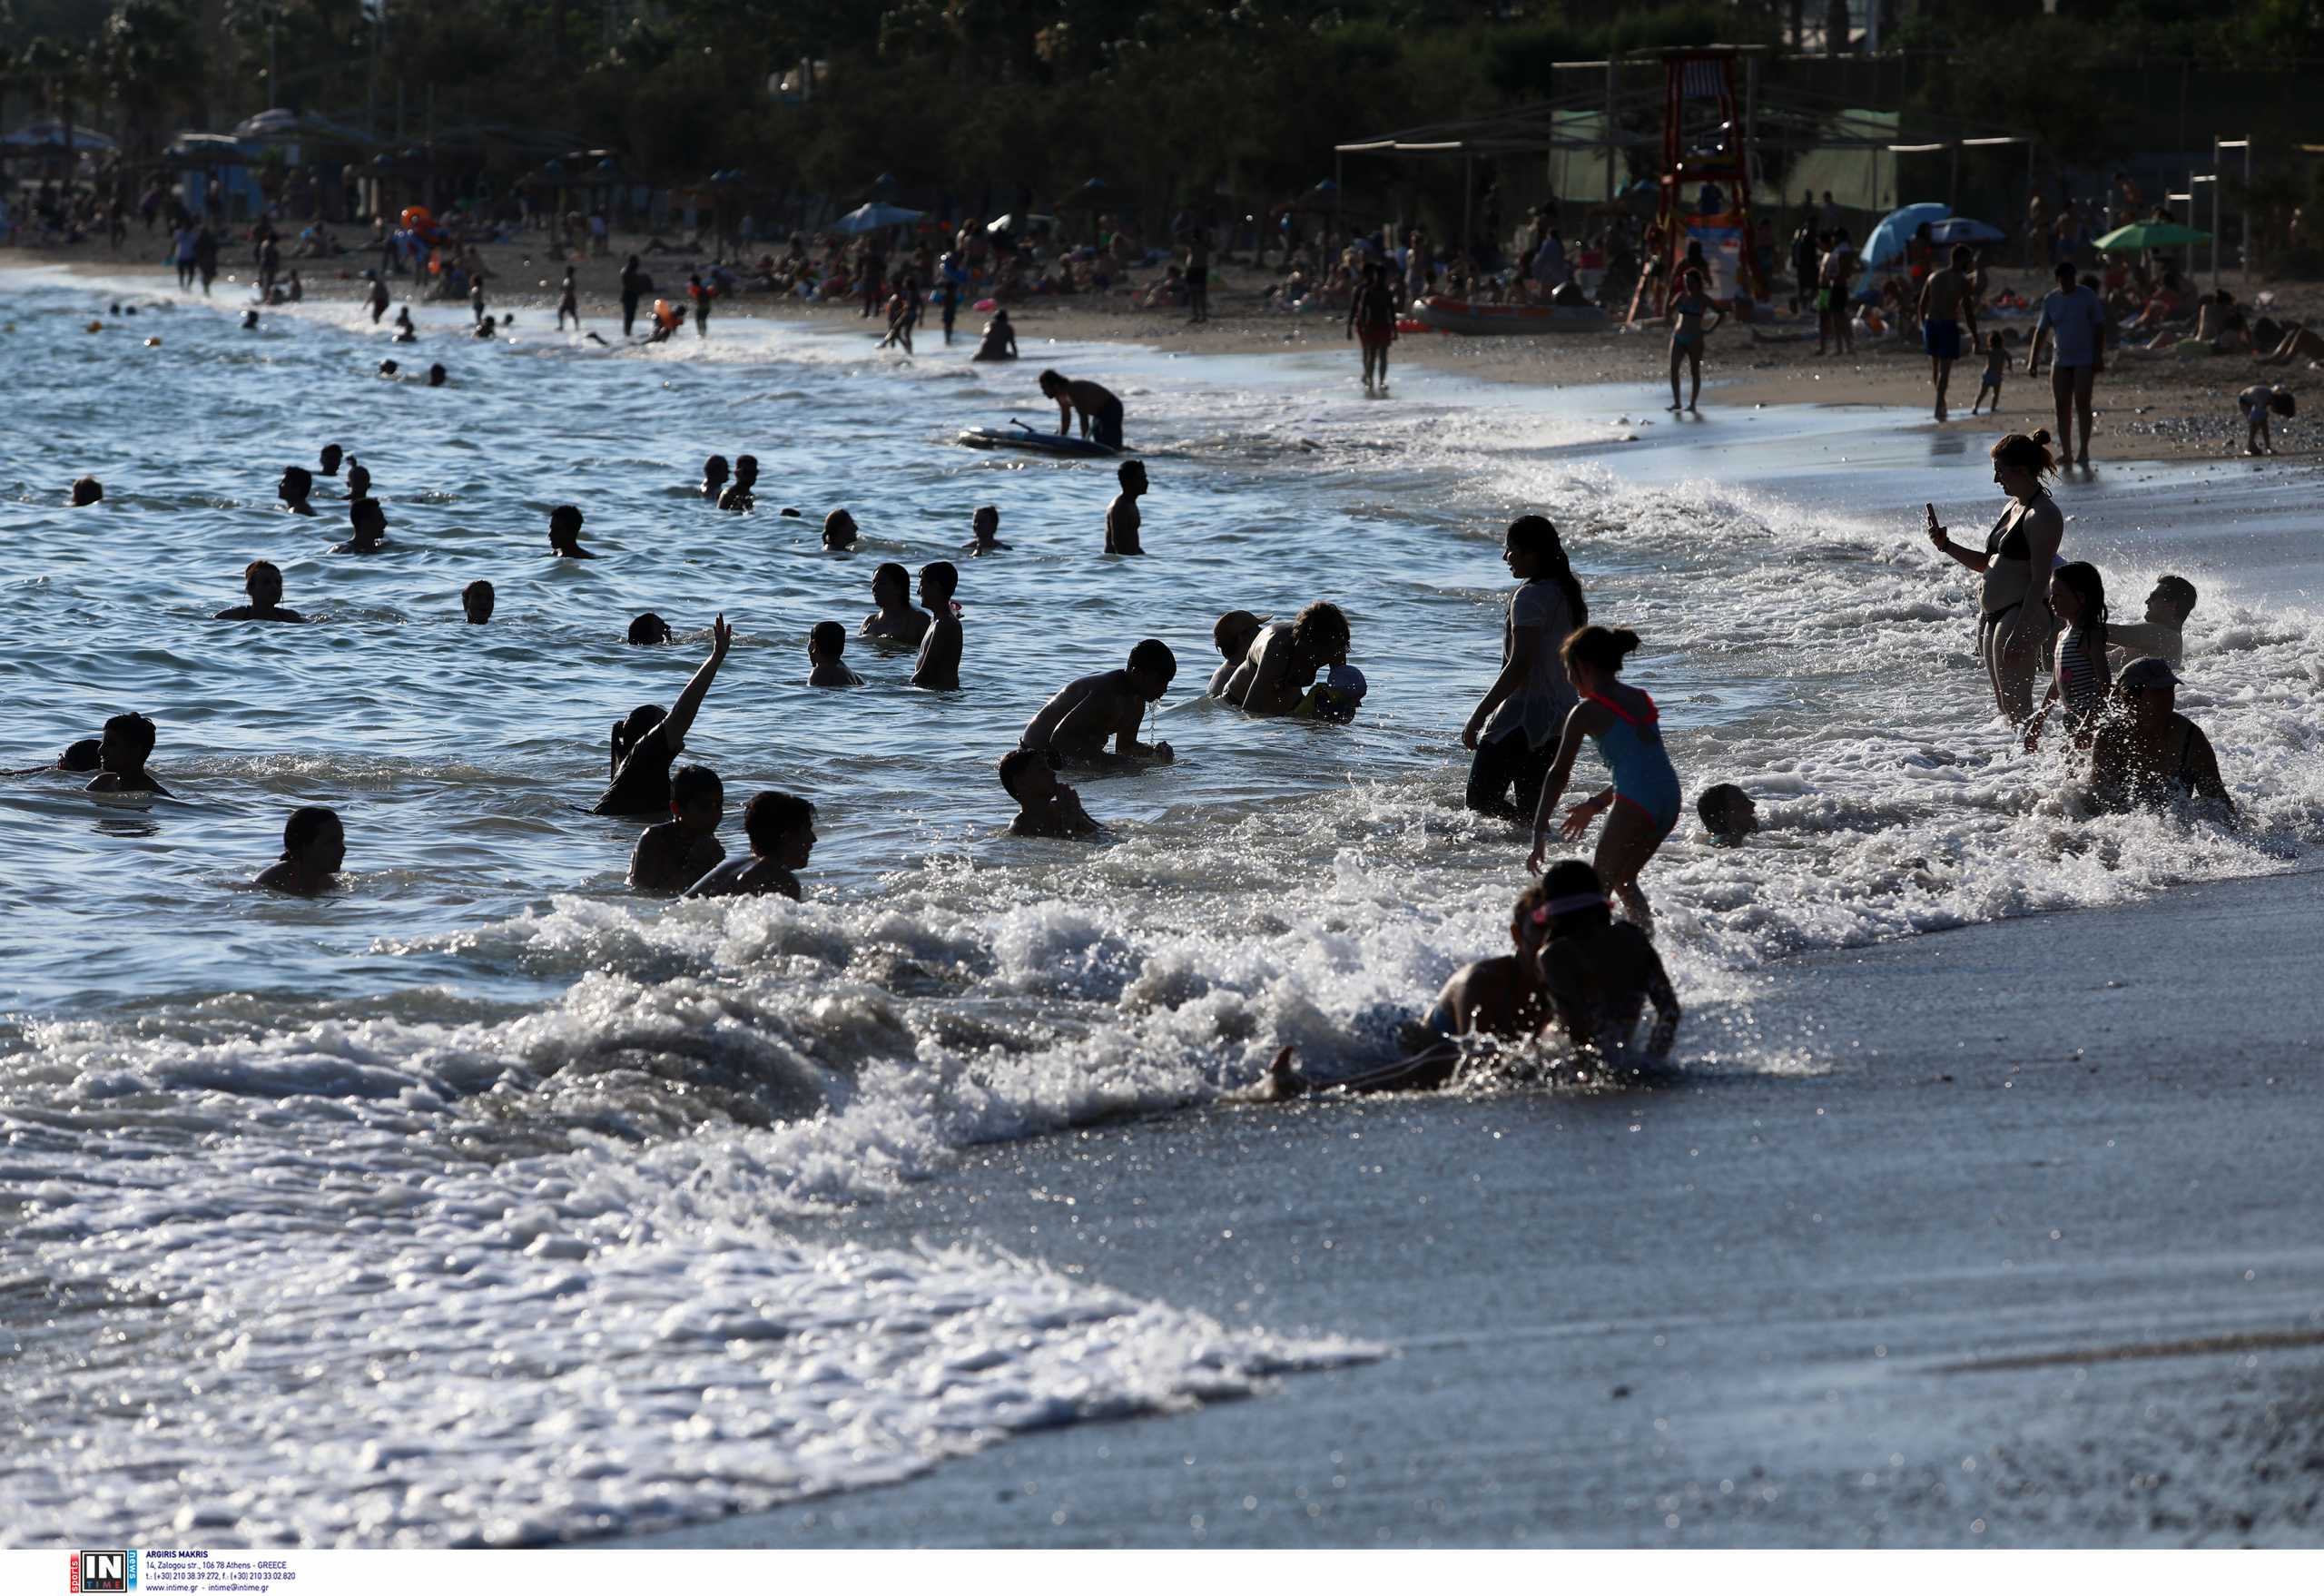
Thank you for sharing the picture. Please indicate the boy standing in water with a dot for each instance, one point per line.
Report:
(939, 664)
(743, 493)
(679, 852)
(1122, 519)
(826, 666)
(781, 829)
(128, 743)
(1086, 713)
(297, 483)
(1046, 807)
(314, 846)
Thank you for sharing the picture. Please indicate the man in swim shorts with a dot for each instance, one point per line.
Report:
(1945, 306)
(1100, 411)
(1084, 715)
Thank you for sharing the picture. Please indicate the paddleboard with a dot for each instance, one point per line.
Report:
(1025, 438)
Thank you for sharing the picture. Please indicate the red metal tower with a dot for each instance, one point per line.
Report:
(1705, 143)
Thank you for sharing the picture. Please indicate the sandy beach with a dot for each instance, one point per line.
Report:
(2170, 405)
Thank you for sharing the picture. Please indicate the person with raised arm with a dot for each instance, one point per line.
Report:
(649, 739)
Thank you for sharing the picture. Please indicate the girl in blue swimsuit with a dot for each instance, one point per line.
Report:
(1642, 805)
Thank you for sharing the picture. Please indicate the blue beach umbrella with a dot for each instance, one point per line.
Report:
(1887, 241)
(1964, 230)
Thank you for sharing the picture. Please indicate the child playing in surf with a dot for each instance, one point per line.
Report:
(1046, 807)
(895, 621)
(781, 829)
(939, 664)
(1688, 333)
(1122, 519)
(825, 667)
(1625, 724)
(314, 846)
(1728, 813)
(568, 303)
(649, 739)
(1086, 713)
(672, 856)
(1231, 635)
(1996, 367)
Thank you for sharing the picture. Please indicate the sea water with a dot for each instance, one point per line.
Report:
(466, 1204)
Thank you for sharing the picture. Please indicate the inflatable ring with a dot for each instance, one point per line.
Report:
(415, 216)
(669, 315)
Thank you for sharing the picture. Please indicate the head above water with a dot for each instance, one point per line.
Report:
(1728, 812)
(87, 490)
(939, 580)
(359, 479)
(367, 516)
(1029, 774)
(1320, 632)
(649, 630)
(330, 458)
(437, 375)
(127, 743)
(476, 602)
(1574, 900)
(314, 837)
(781, 827)
(1152, 667)
(1131, 475)
(389, 367)
(986, 523)
(2174, 597)
(890, 584)
(826, 640)
(714, 470)
(746, 470)
(1232, 633)
(696, 794)
(838, 530)
(87, 754)
(262, 580)
(564, 526)
(297, 483)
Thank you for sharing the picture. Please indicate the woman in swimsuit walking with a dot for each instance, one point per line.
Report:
(1688, 331)
(1643, 802)
(2014, 611)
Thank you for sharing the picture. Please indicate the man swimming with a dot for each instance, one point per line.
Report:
(999, 340)
(438, 376)
(1046, 807)
(1100, 411)
(713, 477)
(330, 458)
(1084, 715)
(672, 856)
(742, 495)
(1281, 664)
(314, 847)
(1122, 519)
(262, 580)
(122, 754)
(985, 530)
(565, 534)
(476, 602)
(370, 522)
(1231, 635)
(647, 631)
(87, 490)
(895, 621)
(648, 740)
(838, 531)
(937, 667)
(297, 483)
(781, 829)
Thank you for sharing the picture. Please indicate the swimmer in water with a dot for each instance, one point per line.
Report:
(476, 602)
(1046, 807)
(330, 458)
(985, 530)
(79, 758)
(1275, 673)
(781, 829)
(999, 340)
(1626, 727)
(264, 582)
(314, 847)
(895, 621)
(565, 534)
(826, 667)
(1086, 713)
(1728, 813)
(437, 375)
(389, 367)
(1601, 975)
(2161, 634)
(838, 531)
(1122, 519)
(1232, 635)
(487, 327)
(86, 491)
(297, 483)
(250, 322)
(1502, 998)
(405, 331)
(648, 631)
(122, 754)
(648, 740)
(742, 495)
(672, 856)
(370, 524)
(939, 664)
(713, 477)
(2147, 755)
(359, 480)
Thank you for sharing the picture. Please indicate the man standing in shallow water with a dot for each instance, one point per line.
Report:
(1122, 519)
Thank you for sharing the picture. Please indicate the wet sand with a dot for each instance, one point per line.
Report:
(2042, 1269)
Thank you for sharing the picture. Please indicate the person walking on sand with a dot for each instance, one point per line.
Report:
(2014, 622)
(1946, 306)
(1644, 798)
(2073, 319)
(1688, 333)
(1371, 320)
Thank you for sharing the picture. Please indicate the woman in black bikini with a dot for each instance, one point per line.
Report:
(2013, 614)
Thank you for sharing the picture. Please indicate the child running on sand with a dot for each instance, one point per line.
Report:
(781, 829)
(1996, 367)
(314, 846)
(672, 856)
(1625, 724)
(825, 667)
(1046, 807)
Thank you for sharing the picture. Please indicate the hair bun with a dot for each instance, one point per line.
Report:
(2042, 435)
(1625, 640)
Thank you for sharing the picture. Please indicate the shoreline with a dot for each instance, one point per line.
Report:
(2158, 407)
